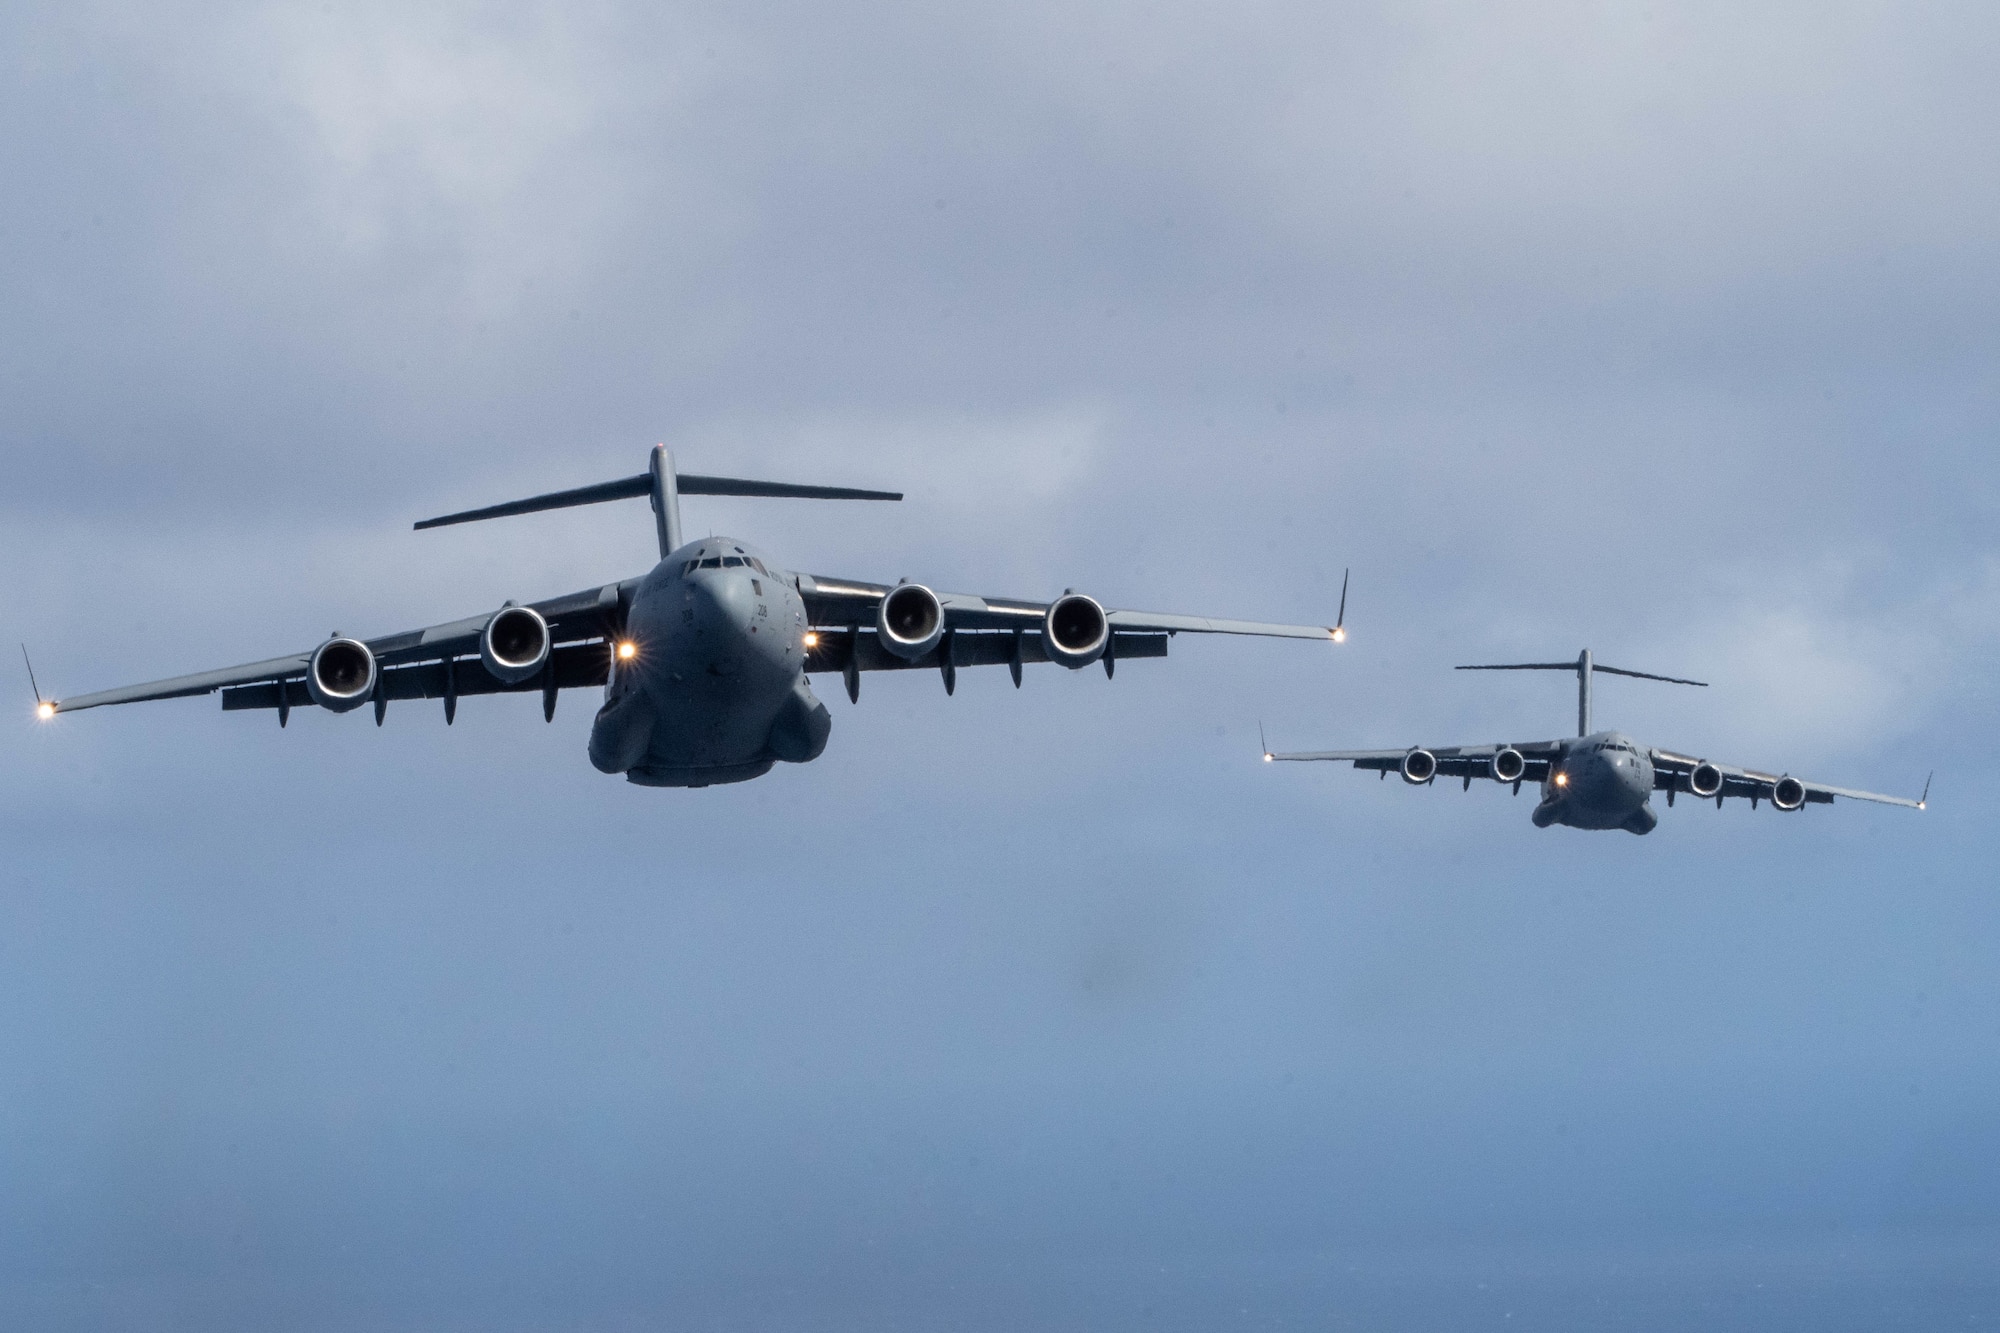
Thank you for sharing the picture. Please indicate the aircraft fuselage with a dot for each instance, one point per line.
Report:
(715, 688)
(1600, 781)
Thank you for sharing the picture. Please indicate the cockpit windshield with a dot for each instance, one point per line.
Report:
(725, 562)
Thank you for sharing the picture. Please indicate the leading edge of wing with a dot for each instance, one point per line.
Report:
(1172, 624)
(1536, 750)
(970, 611)
(455, 636)
(572, 616)
(1921, 803)
(179, 687)
(1669, 761)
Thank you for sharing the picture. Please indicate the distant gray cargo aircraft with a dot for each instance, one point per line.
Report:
(704, 660)
(1599, 780)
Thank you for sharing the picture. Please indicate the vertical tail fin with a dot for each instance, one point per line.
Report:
(1583, 666)
(666, 500)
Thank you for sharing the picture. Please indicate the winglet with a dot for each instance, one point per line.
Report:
(1262, 743)
(1340, 621)
(44, 708)
(1924, 801)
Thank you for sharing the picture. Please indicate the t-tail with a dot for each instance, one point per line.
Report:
(1584, 667)
(665, 486)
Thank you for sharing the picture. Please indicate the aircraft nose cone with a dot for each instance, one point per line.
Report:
(742, 603)
(723, 611)
(719, 601)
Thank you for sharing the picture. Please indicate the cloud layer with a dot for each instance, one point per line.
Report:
(1667, 334)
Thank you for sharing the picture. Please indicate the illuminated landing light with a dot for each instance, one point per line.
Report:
(812, 639)
(1562, 779)
(45, 710)
(627, 651)
(1339, 634)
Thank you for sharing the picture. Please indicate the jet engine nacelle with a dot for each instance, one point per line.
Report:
(1419, 767)
(1507, 765)
(341, 675)
(1075, 631)
(910, 621)
(514, 646)
(1705, 779)
(1788, 793)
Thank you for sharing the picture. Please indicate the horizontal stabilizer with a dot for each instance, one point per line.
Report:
(632, 488)
(690, 484)
(1572, 666)
(1584, 666)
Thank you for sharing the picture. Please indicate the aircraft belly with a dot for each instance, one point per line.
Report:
(713, 686)
(1604, 796)
(707, 719)
(1581, 815)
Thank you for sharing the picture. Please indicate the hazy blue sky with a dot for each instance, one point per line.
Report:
(1669, 334)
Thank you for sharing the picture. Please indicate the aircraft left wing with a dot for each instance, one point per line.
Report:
(415, 664)
(1680, 773)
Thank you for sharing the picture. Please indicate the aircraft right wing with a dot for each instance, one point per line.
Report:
(1420, 763)
(415, 664)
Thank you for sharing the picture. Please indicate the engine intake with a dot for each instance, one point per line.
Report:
(1507, 765)
(1075, 631)
(514, 646)
(341, 675)
(1419, 767)
(910, 621)
(1705, 779)
(1788, 793)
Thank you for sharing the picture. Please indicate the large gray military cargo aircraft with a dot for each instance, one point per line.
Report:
(704, 660)
(1599, 779)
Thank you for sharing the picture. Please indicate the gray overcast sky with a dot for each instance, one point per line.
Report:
(1671, 334)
